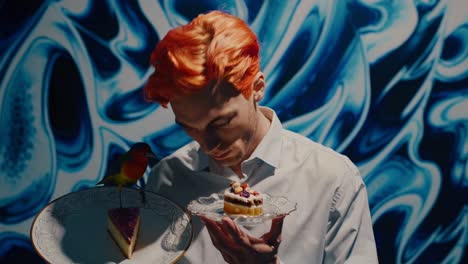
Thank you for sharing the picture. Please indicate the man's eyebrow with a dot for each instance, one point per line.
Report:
(181, 124)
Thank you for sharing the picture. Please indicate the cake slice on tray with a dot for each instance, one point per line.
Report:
(123, 225)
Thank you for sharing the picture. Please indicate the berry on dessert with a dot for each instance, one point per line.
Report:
(123, 226)
(241, 199)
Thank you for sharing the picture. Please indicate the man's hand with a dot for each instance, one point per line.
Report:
(238, 247)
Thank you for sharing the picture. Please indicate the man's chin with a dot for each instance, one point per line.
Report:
(228, 161)
(225, 163)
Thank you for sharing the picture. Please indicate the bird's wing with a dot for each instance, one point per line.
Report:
(114, 166)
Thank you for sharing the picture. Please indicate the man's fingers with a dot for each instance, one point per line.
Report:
(221, 246)
(234, 231)
(209, 223)
(264, 249)
(210, 226)
(254, 240)
(274, 235)
(277, 224)
(220, 239)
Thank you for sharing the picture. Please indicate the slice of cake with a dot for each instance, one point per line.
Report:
(123, 225)
(241, 199)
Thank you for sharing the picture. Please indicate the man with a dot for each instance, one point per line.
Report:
(209, 73)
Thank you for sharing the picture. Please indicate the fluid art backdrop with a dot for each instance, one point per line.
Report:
(382, 81)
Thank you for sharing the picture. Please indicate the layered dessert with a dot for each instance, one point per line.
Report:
(241, 199)
(123, 225)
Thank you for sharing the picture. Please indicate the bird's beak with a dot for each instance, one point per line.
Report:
(151, 155)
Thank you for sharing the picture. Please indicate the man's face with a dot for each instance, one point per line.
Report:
(222, 121)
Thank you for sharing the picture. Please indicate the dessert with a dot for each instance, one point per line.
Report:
(123, 225)
(241, 199)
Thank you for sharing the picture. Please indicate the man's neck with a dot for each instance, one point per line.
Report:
(263, 124)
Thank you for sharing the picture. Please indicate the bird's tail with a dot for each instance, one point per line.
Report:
(104, 181)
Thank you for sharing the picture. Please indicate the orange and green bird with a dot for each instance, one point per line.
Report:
(130, 167)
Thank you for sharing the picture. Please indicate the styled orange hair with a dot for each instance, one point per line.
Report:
(213, 48)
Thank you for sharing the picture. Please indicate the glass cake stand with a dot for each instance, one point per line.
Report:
(212, 207)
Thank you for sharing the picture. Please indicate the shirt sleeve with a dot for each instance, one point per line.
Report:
(350, 237)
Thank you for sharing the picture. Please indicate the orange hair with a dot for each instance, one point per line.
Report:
(213, 48)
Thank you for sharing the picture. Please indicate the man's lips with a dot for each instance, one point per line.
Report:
(220, 156)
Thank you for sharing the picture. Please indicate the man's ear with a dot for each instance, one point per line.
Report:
(259, 87)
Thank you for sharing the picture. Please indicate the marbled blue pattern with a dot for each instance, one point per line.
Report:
(384, 82)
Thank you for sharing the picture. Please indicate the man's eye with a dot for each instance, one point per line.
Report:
(222, 123)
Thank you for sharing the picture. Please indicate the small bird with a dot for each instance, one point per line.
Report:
(129, 168)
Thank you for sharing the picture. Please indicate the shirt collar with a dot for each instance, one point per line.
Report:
(268, 150)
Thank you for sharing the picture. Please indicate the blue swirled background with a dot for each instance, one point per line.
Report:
(384, 82)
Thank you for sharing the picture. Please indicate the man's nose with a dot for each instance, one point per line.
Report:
(212, 140)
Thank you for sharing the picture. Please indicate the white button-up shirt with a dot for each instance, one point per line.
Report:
(332, 223)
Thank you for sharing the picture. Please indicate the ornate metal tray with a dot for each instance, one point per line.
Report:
(72, 229)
